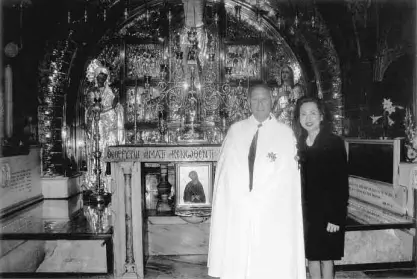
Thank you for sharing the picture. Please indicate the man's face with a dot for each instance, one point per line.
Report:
(260, 103)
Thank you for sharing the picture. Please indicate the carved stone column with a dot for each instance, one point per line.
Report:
(130, 265)
(1, 112)
(8, 101)
(1, 87)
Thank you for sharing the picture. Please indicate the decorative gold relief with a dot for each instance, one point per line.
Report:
(144, 60)
(245, 61)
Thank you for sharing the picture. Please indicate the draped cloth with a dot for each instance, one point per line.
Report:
(259, 233)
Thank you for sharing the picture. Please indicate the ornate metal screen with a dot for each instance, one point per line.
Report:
(183, 78)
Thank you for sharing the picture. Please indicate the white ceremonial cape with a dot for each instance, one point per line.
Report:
(258, 234)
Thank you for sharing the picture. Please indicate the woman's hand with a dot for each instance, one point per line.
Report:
(332, 228)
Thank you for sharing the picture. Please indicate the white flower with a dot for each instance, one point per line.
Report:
(390, 110)
(390, 121)
(411, 153)
(414, 142)
(375, 118)
(389, 107)
(387, 104)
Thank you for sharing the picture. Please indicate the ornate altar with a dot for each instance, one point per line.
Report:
(182, 81)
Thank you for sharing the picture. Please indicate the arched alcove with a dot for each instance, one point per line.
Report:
(307, 48)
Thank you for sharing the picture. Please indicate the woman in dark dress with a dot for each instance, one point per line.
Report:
(324, 177)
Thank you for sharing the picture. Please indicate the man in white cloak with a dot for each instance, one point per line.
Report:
(256, 228)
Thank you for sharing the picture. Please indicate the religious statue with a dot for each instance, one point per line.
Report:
(286, 96)
(104, 110)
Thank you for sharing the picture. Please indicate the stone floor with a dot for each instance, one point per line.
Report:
(194, 267)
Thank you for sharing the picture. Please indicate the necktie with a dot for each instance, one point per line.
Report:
(251, 157)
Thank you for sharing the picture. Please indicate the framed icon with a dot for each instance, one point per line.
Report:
(194, 187)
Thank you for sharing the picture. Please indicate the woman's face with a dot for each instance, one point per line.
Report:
(193, 175)
(286, 74)
(310, 117)
(101, 79)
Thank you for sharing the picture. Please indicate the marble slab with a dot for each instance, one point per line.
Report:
(176, 237)
(378, 246)
(62, 209)
(24, 257)
(74, 256)
(61, 187)
(24, 221)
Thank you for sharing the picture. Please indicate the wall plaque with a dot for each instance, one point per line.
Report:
(378, 194)
(19, 178)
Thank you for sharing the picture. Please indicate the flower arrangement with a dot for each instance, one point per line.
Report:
(410, 137)
(386, 120)
(388, 108)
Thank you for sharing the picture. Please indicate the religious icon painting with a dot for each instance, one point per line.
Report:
(194, 188)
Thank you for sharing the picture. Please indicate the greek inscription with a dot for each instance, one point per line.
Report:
(162, 154)
(20, 180)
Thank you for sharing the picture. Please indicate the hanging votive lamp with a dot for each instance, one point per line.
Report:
(85, 15)
(280, 22)
(228, 70)
(178, 55)
(216, 18)
(163, 70)
(313, 21)
(148, 15)
(296, 21)
(148, 79)
(238, 10)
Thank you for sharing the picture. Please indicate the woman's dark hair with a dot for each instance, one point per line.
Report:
(326, 124)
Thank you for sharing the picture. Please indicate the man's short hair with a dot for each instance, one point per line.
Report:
(256, 85)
